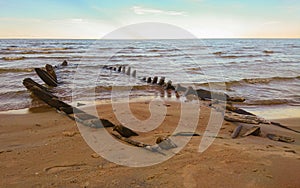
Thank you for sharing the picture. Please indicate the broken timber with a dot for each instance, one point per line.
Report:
(53, 101)
(46, 77)
(235, 117)
(50, 70)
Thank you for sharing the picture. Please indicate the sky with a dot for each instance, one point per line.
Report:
(94, 19)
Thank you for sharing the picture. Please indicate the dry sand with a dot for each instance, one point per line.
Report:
(45, 149)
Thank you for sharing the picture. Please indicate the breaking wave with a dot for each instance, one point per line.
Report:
(8, 70)
(267, 102)
(253, 81)
(13, 58)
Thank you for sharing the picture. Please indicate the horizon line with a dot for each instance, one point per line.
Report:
(37, 38)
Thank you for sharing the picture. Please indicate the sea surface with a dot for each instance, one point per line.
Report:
(264, 71)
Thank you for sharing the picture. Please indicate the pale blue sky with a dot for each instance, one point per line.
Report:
(203, 18)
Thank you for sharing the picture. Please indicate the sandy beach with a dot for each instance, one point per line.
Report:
(171, 94)
(44, 148)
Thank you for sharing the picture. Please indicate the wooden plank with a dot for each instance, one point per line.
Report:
(50, 70)
(46, 77)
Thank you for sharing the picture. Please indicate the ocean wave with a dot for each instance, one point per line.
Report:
(248, 47)
(37, 49)
(267, 102)
(10, 94)
(240, 56)
(8, 70)
(268, 80)
(145, 55)
(42, 57)
(164, 50)
(52, 52)
(252, 81)
(13, 58)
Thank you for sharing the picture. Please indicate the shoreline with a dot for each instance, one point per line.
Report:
(268, 112)
(46, 149)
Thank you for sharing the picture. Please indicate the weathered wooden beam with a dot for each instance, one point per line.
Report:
(230, 107)
(255, 130)
(236, 131)
(50, 70)
(46, 77)
(120, 69)
(235, 117)
(134, 74)
(148, 147)
(64, 63)
(53, 101)
(155, 79)
(162, 81)
(28, 83)
(128, 71)
(280, 138)
(149, 80)
(124, 131)
(130, 141)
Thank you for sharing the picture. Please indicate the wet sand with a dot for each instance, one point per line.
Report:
(45, 149)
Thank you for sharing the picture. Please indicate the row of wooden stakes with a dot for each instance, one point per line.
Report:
(233, 114)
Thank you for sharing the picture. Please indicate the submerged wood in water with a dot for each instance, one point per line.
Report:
(50, 70)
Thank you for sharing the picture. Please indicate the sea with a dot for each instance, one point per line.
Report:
(266, 72)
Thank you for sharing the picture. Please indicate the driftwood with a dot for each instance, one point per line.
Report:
(50, 70)
(280, 138)
(207, 95)
(53, 101)
(255, 131)
(129, 141)
(186, 134)
(169, 86)
(165, 143)
(64, 63)
(237, 110)
(148, 147)
(42, 94)
(134, 74)
(154, 81)
(235, 117)
(124, 131)
(28, 82)
(149, 80)
(120, 69)
(285, 127)
(46, 77)
(128, 71)
(251, 119)
(161, 81)
(236, 131)
(93, 123)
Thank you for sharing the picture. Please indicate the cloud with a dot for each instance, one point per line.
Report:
(140, 10)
